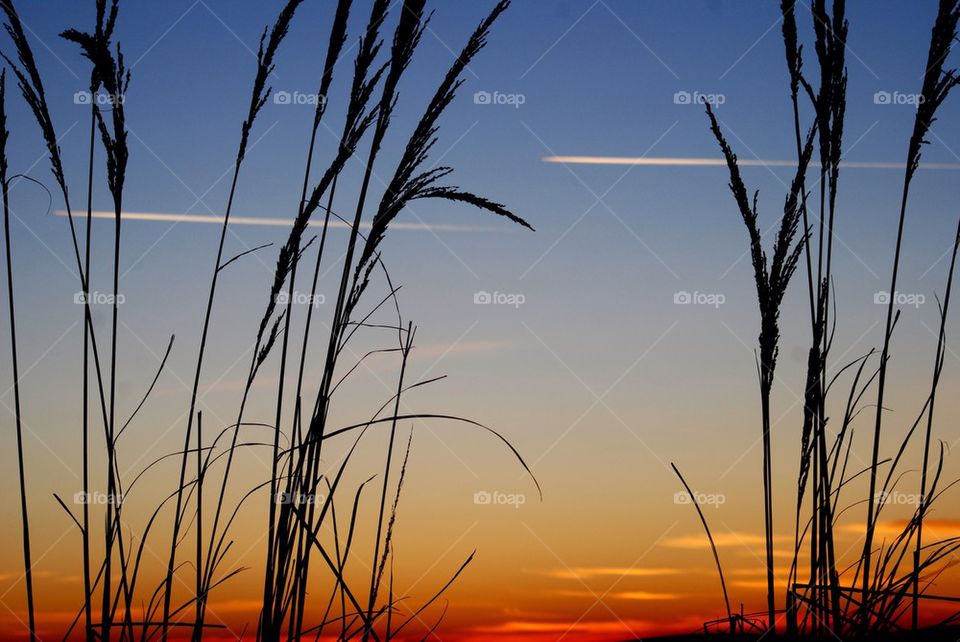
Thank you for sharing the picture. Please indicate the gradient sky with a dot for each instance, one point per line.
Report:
(598, 378)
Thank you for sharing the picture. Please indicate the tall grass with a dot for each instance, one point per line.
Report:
(713, 547)
(21, 467)
(928, 435)
(937, 84)
(829, 105)
(32, 90)
(886, 584)
(265, 62)
(110, 72)
(338, 36)
(118, 601)
(295, 531)
(772, 279)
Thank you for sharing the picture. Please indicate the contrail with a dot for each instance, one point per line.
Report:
(719, 162)
(279, 222)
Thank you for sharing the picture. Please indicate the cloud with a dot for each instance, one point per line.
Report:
(17, 576)
(637, 596)
(580, 630)
(722, 540)
(432, 353)
(750, 584)
(594, 627)
(651, 161)
(643, 596)
(933, 528)
(269, 221)
(439, 350)
(583, 573)
(747, 572)
(235, 606)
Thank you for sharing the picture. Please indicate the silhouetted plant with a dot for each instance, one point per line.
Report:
(293, 527)
(863, 599)
(937, 84)
(772, 279)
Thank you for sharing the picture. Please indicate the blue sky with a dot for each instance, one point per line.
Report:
(613, 244)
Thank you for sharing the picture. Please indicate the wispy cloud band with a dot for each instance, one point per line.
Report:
(653, 161)
(268, 221)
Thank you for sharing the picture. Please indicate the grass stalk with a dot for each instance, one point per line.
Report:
(771, 283)
(334, 47)
(259, 95)
(18, 416)
(85, 392)
(713, 548)
(198, 561)
(924, 471)
(293, 531)
(31, 88)
(937, 83)
(374, 576)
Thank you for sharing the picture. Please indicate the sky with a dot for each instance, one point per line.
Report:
(586, 357)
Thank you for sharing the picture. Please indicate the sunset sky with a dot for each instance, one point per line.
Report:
(584, 360)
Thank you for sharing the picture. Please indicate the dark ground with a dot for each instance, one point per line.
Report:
(951, 634)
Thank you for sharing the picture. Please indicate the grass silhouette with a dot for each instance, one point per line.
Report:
(872, 597)
(116, 603)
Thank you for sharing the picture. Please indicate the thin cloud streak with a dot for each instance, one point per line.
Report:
(563, 627)
(939, 528)
(278, 222)
(591, 572)
(636, 596)
(719, 162)
(728, 539)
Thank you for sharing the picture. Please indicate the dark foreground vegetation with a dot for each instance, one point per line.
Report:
(313, 519)
(883, 590)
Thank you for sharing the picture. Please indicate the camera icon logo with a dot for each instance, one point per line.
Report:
(482, 498)
(682, 497)
(82, 98)
(282, 98)
(882, 98)
(881, 298)
(682, 98)
(482, 298)
(682, 298)
(482, 98)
